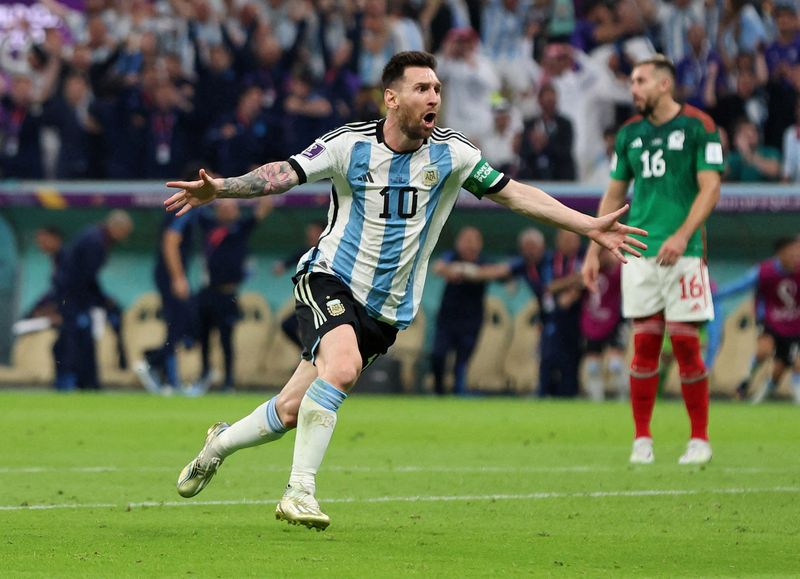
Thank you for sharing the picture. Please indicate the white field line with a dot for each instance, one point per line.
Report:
(400, 469)
(422, 498)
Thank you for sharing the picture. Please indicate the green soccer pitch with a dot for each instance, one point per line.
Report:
(416, 487)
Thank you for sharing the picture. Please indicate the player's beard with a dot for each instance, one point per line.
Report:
(412, 128)
(647, 107)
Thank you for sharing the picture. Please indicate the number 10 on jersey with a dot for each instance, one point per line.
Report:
(402, 209)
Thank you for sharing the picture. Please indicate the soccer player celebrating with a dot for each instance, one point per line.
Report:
(395, 181)
(673, 154)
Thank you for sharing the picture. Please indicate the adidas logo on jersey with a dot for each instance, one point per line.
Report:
(365, 178)
(636, 143)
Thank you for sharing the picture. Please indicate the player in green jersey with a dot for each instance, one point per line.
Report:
(672, 153)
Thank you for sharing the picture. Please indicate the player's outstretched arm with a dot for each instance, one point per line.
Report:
(270, 179)
(606, 230)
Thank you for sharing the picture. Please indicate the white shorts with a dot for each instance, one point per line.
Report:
(682, 291)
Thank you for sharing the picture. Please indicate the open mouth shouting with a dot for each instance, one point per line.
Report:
(429, 120)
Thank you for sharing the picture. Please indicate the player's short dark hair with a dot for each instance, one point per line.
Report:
(660, 62)
(398, 64)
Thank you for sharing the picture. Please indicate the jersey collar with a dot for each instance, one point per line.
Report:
(379, 137)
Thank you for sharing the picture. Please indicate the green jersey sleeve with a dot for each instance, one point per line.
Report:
(709, 150)
(484, 179)
(621, 169)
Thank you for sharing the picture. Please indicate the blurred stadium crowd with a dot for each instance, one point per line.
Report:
(144, 89)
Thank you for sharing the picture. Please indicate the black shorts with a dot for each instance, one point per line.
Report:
(787, 348)
(322, 303)
(617, 338)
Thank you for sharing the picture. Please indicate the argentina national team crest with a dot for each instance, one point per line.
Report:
(430, 175)
(335, 307)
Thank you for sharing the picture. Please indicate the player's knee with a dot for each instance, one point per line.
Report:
(648, 335)
(686, 348)
(344, 372)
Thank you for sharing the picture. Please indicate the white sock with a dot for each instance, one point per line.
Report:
(260, 426)
(315, 423)
(618, 376)
(594, 380)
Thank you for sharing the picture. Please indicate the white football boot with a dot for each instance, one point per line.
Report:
(642, 452)
(698, 452)
(197, 474)
(299, 507)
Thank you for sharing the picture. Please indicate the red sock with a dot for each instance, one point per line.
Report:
(648, 334)
(694, 376)
(695, 396)
(643, 398)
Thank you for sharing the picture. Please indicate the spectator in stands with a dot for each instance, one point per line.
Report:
(605, 332)
(547, 140)
(79, 292)
(226, 236)
(600, 173)
(700, 75)
(307, 112)
(68, 112)
(340, 82)
(784, 51)
(377, 42)
(775, 281)
(238, 141)
(20, 125)
(217, 79)
(561, 312)
(167, 123)
(748, 102)
(470, 81)
(271, 65)
(791, 149)
(502, 143)
(781, 94)
(676, 19)
(741, 31)
(750, 161)
(507, 30)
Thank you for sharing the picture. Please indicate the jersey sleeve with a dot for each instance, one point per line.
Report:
(621, 169)
(317, 161)
(709, 150)
(477, 175)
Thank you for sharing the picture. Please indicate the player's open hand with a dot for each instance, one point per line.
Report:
(192, 193)
(615, 236)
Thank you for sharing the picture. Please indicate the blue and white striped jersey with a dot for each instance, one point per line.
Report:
(387, 210)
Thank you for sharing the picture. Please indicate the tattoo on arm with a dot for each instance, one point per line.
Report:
(270, 179)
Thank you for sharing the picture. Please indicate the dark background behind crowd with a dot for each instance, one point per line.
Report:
(142, 89)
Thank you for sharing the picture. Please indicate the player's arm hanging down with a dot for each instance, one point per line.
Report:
(269, 179)
(707, 197)
(605, 230)
(612, 200)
